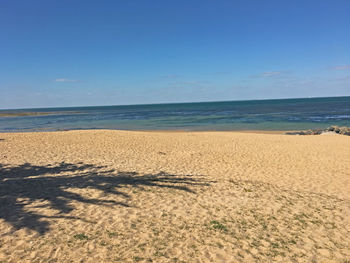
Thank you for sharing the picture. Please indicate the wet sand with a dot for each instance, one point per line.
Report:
(127, 196)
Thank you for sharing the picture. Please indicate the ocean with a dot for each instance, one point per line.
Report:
(279, 114)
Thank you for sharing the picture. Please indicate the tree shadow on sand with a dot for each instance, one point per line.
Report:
(24, 184)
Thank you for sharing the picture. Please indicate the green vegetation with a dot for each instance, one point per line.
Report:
(217, 225)
(81, 236)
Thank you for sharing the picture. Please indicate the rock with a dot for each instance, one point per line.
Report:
(296, 133)
(344, 130)
(317, 132)
(331, 129)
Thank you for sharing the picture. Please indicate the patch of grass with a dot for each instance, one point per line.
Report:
(111, 234)
(137, 258)
(159, 254)
(242, 224)
(141, 245)
(275, 244)
(316, 222)
(194, 247)
(164, 214)
(301, 218)
(292, 241)
(219, 245)
(256, 243)
(217, 225)
(81, 236)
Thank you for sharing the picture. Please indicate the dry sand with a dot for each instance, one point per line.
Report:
(122, 196)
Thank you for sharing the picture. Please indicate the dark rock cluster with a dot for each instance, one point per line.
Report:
(335, 129)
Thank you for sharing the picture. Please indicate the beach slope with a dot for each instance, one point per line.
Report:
(124, 196)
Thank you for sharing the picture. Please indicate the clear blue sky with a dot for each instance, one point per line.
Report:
(79, 52)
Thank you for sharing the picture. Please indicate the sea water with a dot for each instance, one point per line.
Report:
(279, 114)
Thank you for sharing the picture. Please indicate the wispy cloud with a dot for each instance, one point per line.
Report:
(191, 82)
(346, 78)
(65, 80)
(271, 73)
(170, 76)
(342, 67)
(268, 74)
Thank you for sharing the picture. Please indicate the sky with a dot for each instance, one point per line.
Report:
(83, 53)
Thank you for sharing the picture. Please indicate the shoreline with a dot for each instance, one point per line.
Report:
(160, 131)
(331, 129)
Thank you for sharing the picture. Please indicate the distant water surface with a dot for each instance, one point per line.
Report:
(286, 114)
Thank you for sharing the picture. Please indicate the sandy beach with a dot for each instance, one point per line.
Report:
(127, 196)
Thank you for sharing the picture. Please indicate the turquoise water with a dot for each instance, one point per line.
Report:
(286, 114)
